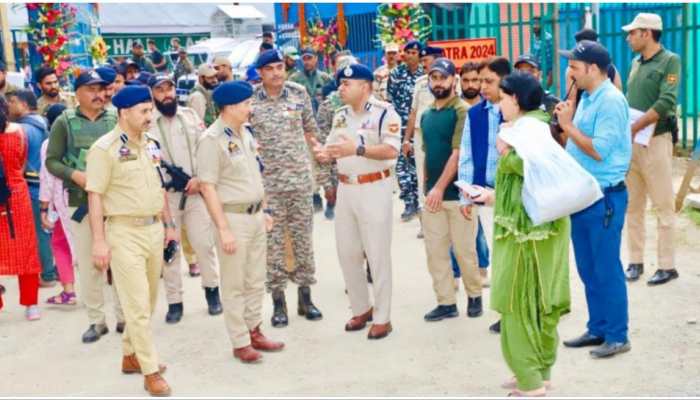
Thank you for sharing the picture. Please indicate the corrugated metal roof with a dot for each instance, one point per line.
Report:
(156, 17)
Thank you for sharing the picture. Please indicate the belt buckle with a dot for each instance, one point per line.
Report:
(140, 221)
(353, 179)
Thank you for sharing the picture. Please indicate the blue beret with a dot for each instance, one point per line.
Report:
(88, 77)
(413, 45)
(251, 75)
(108, 74)
(354, 71)
(269, 57)
(131, 95)
(144, 77)
(432, 51)
(232, 93)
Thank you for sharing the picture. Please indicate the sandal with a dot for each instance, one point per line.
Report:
(62, 299)
(541, 392)
(513, 384)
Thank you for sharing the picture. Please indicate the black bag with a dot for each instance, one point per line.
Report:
(5, 194)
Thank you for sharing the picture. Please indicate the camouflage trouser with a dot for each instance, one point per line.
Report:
(326, 175)
(408, 180)
(291, 211)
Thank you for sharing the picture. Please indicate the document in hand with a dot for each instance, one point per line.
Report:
(467, 188)
(643, 136)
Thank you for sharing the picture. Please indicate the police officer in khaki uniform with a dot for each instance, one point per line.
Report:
(232, 187)
(365, 140)
(128, 210)
(71, 136)
(177, 129)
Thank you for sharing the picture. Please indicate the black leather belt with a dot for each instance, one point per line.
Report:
(615, 188)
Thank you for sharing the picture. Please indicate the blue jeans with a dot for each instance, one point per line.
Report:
(596, 233)
(48, 268)
(482, 252)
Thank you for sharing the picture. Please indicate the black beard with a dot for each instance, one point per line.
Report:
(52, 94)
(441, 93)
(209, 86)
(168, 108)
(470, 93)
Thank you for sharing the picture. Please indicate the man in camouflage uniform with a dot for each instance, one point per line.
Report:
(284, 126)
(327, 174)
(314, 81)
(381, 74)
(402, 81)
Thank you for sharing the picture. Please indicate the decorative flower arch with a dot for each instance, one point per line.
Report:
(400, 23)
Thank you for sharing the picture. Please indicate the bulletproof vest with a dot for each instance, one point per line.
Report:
(211, 111)
(82, 133)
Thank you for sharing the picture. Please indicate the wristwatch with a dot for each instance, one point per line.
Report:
(169, 224)
(360, 152)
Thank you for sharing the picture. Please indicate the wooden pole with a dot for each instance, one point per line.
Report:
(302, 24)
(342, 32)
(6, 38)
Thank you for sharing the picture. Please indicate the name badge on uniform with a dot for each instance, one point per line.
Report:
(233, 149)
(125, 154)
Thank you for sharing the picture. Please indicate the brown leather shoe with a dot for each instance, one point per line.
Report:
(359, 322)
(378, 331)
(247, 354)
(156, 385)
(259, 342)
(130, 365)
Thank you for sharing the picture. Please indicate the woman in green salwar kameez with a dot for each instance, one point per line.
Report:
(530, 283)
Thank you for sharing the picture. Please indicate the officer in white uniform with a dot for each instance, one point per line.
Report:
(365, 140)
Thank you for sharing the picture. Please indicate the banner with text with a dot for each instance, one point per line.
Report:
(461, 51)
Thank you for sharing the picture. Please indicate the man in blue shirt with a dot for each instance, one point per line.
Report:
(599, 139)
(23, 105)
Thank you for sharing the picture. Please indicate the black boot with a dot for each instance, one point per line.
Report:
(213, 300)
(174, 314)
(306, 307)
(474, 307)
(318, 203)
(279, 315)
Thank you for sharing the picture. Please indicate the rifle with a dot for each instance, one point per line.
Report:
(78, 163)
(5, 194)
(178, 180)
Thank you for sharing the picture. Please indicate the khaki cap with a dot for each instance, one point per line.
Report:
(645, 21)
(221, 60)
(391, 47)
(206, 70)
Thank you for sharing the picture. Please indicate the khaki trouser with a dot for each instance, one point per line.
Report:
(443, 229)
(650, 174)
(243, 276)
(92, 280)
(363, 226)
(419, 154)
(194, 220)
(187, 249)
(137, 261)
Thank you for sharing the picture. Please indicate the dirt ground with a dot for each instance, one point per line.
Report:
(456, 357)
